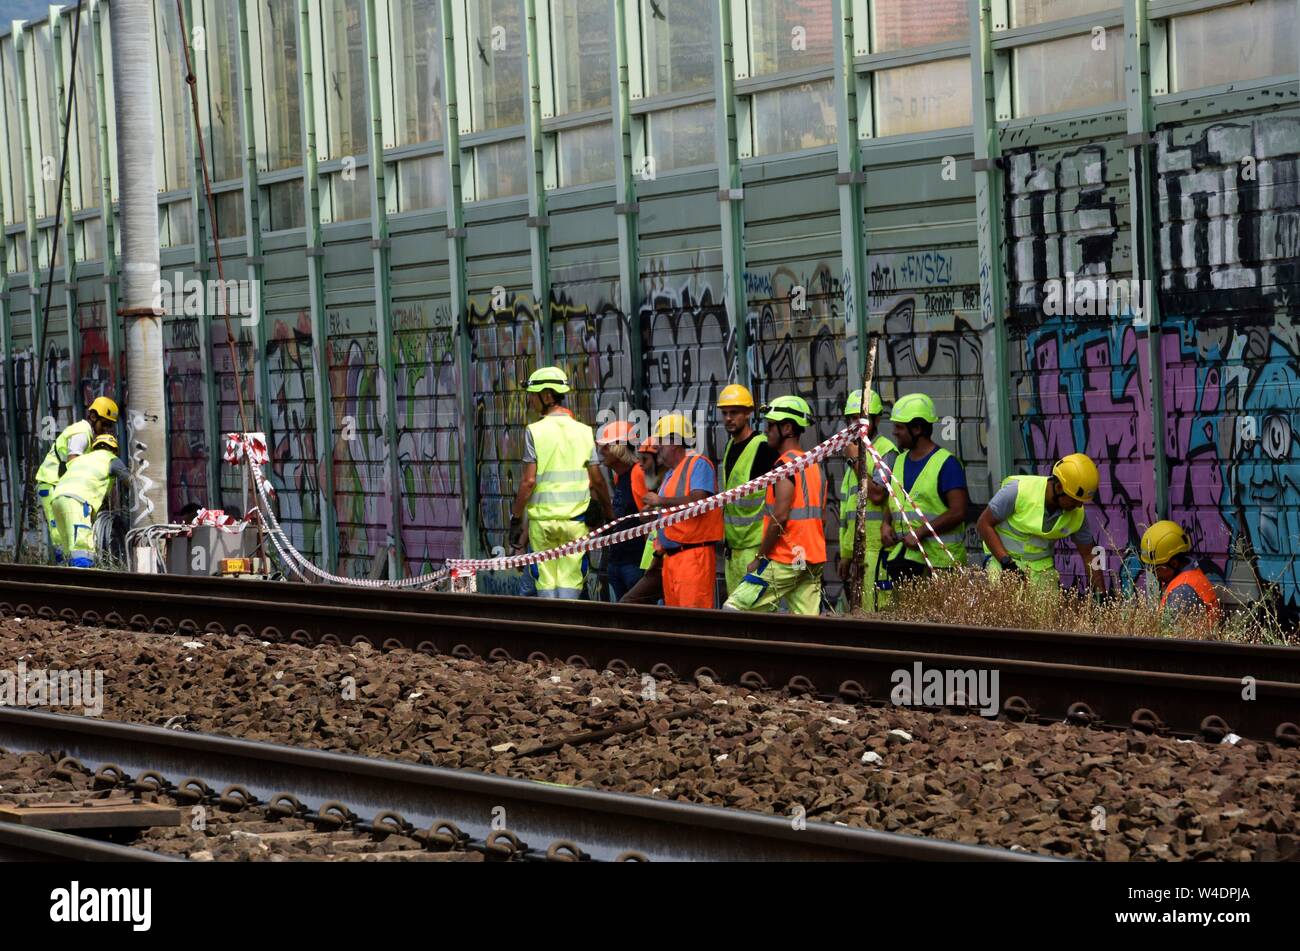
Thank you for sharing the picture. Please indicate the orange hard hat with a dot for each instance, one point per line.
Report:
(648, 445)
(618, 431)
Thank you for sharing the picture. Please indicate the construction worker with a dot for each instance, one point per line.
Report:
(1029, 514)
(650, 589)
(877, 504)
(936, 482)
(79, 495)
(561, 476)
(100, 419)
(792, 554)
(1185, 587)
(615, 442)
(690, 557)
(748, 455)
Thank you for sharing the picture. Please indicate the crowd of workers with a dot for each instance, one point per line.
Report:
(774, 542)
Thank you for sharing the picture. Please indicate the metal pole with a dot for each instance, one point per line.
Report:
(730, 190)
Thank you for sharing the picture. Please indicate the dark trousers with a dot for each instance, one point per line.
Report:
(650, 589)
(623, 578)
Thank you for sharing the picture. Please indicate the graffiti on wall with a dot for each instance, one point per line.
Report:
(187, 452)
(294, 457)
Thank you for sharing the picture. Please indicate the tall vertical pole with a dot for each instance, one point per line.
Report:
(64, 84)
(538, 221)
(107, 145)
(851, 181)
(379, 248)
(252, 222)
(134, 75)
(730, 192)
(625, 207)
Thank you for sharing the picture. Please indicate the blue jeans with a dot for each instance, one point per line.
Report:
(622, 578)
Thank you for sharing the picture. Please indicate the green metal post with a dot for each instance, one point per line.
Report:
(14, 483)
(253, 225)
(1143, 227)
(69, 236)
(626, 208)
(538, 222)
(33, 241)
(106, 153)
(992, 247)
(730, 189)
(459, 296)
(316, 289)
(379, 245)
(851, 181)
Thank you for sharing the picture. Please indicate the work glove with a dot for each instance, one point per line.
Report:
(516, 533)
(1009, 564)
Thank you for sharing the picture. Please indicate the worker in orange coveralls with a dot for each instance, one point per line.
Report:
(690, 559)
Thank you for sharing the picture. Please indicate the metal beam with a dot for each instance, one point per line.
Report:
(1143, 229)
(629, 283)
(383, 293)
(730, 189)
(851, 183)
(33, 242)
(535, 141)
(316, 292)
(252, 222)
(459, 296)
(992, 242)
(68, 238)
(107, 151)
(15, 477)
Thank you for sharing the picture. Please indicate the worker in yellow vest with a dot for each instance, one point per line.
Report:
(747, 456)
(792, 555)
(936, 482)
(1029, 514)
(877, 504)
(561, 476)
(1185, 587)
(100, 419)
(79, 495)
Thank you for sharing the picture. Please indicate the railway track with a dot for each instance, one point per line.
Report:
(1184, 688)
(505, 818)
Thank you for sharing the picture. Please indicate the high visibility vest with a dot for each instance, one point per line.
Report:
(88, 478)
(804, 529)
(677, 489)
(56, 460)
(849, 504)
(564, 447)
(639, 487)
(1195, 579)
(925, 493)
(1022, 533)
(744, 517)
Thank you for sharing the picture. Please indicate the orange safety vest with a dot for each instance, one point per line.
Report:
(804, 529)
(702, 528)
(639, 487)
(1195, 579)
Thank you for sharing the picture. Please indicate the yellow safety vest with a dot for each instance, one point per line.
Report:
(925, 492)
(849, 504)
(88, 478)
(743, 518)
(564, 447)
(56, 460)
(1022, 534)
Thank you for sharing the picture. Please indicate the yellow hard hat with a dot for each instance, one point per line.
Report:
(675, 424)
(105, 407)
(1078, 477)
(1163, 541)
(735, 395)
(853, 405)
(105, 442)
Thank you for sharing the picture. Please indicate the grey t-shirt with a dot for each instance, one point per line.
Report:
(1003, 504)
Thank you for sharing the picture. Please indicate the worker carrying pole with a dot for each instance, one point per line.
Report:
(79, 495)
(101, 419)
(792, 555)
(561, 476)
(747, 456)
(1184, 586)
(689, 547)
(875, 511)
(1029, 514)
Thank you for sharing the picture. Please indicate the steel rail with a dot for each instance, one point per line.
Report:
(1163, 654)
(1213, 706)
(605, 825)
(25, 844)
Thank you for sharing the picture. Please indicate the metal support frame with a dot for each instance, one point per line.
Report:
(992, 242)
(107, 151)
(459, 296)
(534, 144)
(316, 291)
(730, 182)
(33, 236)
(252, 219)
(1142, 226)
(13, 483)
(62, 88)
(629, 283)
(383, 291)
(851, 182)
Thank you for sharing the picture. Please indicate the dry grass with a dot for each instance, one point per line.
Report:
(969, 597)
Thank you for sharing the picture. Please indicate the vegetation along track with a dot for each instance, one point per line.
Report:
(460, 809)
(1168, 686)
